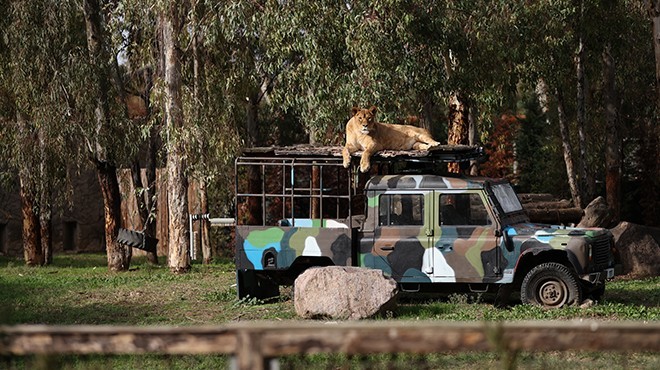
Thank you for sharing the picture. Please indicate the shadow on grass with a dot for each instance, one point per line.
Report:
(89, 314)
(32, 300)
(647, 298)
(80, 260)
(77, 260)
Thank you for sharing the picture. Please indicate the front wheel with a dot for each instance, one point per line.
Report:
(551, 285)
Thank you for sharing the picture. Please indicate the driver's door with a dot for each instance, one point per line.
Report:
(465, 245)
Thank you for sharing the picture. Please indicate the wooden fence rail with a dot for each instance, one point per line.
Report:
(253, 343)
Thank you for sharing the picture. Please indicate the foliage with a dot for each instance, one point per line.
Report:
(302, 65)
(32, 84)
(538, 152)
(500, 148)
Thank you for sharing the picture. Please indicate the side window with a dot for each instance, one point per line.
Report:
(463, 209)
(401, 210)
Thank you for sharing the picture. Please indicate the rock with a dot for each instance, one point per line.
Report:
(587, 303)
(638, 248)
(597, 214)
(343, 293)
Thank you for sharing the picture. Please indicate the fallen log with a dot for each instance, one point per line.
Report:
(533, 197)
(556, 216)
(554, 204)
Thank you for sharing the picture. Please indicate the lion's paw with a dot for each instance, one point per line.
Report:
(364, 167)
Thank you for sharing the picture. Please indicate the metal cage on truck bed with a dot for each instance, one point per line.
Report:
(282, 191)
(283, 184)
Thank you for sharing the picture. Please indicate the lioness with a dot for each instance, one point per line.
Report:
(364, 133)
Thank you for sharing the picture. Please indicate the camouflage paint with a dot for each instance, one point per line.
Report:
(285, 243)
(429, 253)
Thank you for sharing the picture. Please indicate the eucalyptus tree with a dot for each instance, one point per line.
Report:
(654, 14)
(136, 39)
(306, 55)
(41, 40)
(171, 25)
(549, 43)
(653, 138)
(102, 122)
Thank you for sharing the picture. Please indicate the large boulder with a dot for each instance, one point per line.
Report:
(639, 249)
(597, 214)
(343, 293)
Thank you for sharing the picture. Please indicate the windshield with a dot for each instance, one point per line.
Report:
(507, 198)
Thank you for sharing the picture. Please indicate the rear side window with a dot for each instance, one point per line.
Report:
(401, 210)
(463, 209)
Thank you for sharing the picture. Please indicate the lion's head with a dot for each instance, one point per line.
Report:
(365, 118)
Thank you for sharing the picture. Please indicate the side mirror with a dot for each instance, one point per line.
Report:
(508, 243)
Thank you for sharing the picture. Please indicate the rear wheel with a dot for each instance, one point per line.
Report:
(551, 285)
(250, 284)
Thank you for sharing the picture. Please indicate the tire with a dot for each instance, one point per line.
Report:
(551, 285)
(597, 293)
(250, 284)
(503, 295)
(137, 239)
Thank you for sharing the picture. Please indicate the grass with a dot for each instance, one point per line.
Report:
(78, 289)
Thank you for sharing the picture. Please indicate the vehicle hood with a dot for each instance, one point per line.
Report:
(544, 231)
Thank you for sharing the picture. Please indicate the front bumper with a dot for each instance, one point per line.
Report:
(600, 276)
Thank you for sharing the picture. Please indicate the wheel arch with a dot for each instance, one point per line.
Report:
(534, 257)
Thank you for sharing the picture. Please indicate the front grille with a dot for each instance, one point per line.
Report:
(601, 250)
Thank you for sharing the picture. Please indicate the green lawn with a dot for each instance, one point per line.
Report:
(78, 289)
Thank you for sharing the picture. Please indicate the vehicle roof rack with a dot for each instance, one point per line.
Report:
(440, 153)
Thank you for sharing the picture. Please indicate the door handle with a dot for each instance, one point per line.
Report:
(387, 248)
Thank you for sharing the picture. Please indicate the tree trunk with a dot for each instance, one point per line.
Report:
(207, 255)
(568, 150)
(315, 192)
(252, 111)
(654, 13)
(46, 233)
(177, 197)
(119, 256)
(544, 99)
(143, 198)
(32, 251)
(586, 180)
(612, 139)
(153, 189)
(651, 136)
(473, 139)
(179, 242)
(458, 133)
(254, 206)
(199, 80)
(31, 230)
(45, 208)
(427, 119)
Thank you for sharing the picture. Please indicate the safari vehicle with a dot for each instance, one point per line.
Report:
(298, 207)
